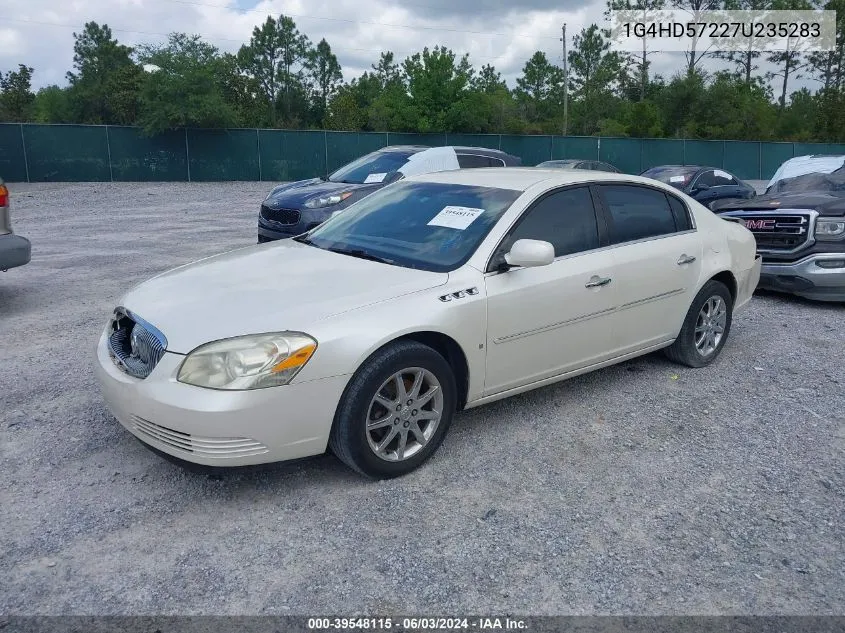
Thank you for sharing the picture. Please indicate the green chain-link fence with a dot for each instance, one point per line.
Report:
(61, 153)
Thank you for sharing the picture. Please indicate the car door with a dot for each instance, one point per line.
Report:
(703, 187)
(547, 320)
(720, 186)
(657, 262)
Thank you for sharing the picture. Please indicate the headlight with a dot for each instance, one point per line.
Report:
(248, 362)
(829, 228)
(327, 201)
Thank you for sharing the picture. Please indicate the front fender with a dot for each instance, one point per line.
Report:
(346, 340)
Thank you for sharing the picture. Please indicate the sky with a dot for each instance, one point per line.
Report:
(504, 33)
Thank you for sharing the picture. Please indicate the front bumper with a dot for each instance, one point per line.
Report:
(269, 230)
(14, 251)
(220, 428)
(806, 278)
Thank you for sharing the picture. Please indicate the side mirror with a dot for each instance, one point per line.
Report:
(703, 186)
(530, 253)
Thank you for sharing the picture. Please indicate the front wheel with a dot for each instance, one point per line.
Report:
(395, 410)
(706, 327)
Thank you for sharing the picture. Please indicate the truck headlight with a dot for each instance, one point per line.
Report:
(327, 201)
(830, 228)
(248, 362)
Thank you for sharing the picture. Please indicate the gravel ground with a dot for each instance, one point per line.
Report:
(644, 488)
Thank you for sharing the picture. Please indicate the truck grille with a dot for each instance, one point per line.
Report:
(281, 216)
(776, 232)
(135, 346)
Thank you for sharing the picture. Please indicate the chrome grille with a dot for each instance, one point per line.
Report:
(280, 216)
(135, 346)
(221, 447)
(777, 232)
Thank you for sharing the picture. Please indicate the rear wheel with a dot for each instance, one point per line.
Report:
(395, 411)
(706, 327)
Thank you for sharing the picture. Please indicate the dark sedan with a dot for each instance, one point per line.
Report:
(708, 185)
(577, 163)
(295, 208)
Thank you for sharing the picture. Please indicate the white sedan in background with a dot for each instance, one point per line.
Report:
(436, 294)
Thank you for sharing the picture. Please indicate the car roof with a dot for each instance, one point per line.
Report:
(699, 167)
(489, 151)
(458, 148)
(521, 178)
(404, 148)
(818, 156)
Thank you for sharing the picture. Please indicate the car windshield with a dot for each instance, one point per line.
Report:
(811, 182)
(424, 225)
(678, 177)
(372, 168)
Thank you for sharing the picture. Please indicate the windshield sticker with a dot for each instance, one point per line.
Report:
(374, 178)
(455, 217)
(722, 174)
(677, 179)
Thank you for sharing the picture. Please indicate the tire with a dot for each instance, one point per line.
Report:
(689, 348)
(357, 445)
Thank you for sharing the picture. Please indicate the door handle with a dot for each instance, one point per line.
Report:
(597, 282)
(686, 259)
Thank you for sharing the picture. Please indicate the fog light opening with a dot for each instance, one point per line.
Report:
(830, 263)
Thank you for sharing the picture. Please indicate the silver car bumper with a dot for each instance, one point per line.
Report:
(807, 278)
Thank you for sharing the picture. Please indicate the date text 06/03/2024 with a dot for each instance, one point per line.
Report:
(417, 624)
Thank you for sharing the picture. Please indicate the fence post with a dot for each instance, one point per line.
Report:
(684, 151)
(258, 145)
(187, 155)
(759, 160)
(326, 149)
(25, 158)
(108, 150)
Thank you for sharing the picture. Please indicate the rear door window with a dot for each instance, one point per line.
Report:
(637, 213)
(471, 161)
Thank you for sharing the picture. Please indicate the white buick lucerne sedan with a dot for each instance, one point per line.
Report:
(435, 294)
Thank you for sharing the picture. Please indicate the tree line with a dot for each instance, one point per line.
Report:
(281, 79)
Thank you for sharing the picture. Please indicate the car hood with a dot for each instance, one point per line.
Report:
(829, 203)
(268, 288)
(295, 195)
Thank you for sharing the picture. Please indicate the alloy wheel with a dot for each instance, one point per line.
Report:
(404, 414)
